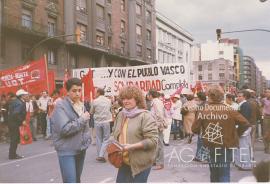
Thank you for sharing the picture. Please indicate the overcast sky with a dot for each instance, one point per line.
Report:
(202, 17)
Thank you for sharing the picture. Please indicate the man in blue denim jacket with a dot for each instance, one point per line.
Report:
(70, 132)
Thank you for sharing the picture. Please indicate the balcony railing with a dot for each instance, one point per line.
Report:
(29, 26)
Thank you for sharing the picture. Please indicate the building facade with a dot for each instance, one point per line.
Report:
(249, 72)
(218, 71)
(227, 49)
(112, 33)
(173, 44)
(27, 22)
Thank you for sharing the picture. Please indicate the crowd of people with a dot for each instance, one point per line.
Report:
(226, 124)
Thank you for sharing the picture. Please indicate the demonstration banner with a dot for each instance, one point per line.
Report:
(166, 78)
(32, 77)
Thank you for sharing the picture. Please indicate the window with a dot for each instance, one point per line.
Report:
(83, 32)
(200, 68)
(109, 19)
(25, 51)
(139, 50)
(139, 32)
(81, 5)
(123, 5)
(109, 1)
(169, 58)
(74, 61)
(200, 77)
(180, 45)
(210, 76)
(160, 56)
(221, 52)
(148, 35)
(173, 41)
(110, 42)
(148, 53)
(173, 58)
(51, 26)
(148, 17)
(160, 35)
(27, 18)
(100, 12)
(138, 9)
(221, 66)
(210, 67)
(165, 36)
(100, 38)
(51, 57)
(123, 26)
(123, 47)
(164, 57)
(221, 76)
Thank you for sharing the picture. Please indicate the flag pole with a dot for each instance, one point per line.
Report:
(47, 77)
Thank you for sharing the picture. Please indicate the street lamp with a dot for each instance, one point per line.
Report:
(219, 31)
(78, 40)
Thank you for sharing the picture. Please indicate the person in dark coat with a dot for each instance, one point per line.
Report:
(16, 117)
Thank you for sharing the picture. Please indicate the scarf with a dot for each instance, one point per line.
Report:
(131, 113)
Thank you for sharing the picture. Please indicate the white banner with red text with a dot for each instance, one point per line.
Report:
(166, 78)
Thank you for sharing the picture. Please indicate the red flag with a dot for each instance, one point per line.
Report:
(63, 91)
(51, 78)
(31, 77)
(88, 86)
(178, 91)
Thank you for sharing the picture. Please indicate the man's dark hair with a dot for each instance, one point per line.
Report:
(45, 91)
(244, 87)
(262, 171)
(154, 93)
(201, 96)
(73, 82)
(100, 91)
(246, 94)
(230, 96)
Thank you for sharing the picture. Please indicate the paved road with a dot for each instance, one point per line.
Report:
(41, 165)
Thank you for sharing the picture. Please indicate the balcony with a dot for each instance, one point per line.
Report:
(23, 25)
(29, 27)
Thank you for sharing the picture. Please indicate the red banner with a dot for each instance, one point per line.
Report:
(31, 77)
(51, 81)
(88, 85)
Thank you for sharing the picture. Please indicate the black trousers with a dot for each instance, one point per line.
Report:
(43, 122)
(14, 140)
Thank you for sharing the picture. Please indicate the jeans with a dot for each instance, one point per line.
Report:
(43, 122)
(71, 167)
(102, 136)
(202, 152)
(177, 127)
(266, 130)
(124, 175)
(48, 128)
(220, 159)
(33, 126)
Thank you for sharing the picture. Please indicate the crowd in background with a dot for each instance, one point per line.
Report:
(175, 117)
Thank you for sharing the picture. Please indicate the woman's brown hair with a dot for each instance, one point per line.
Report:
(133, 92)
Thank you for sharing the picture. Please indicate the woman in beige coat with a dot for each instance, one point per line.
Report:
(137, 131)
(189, 116)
